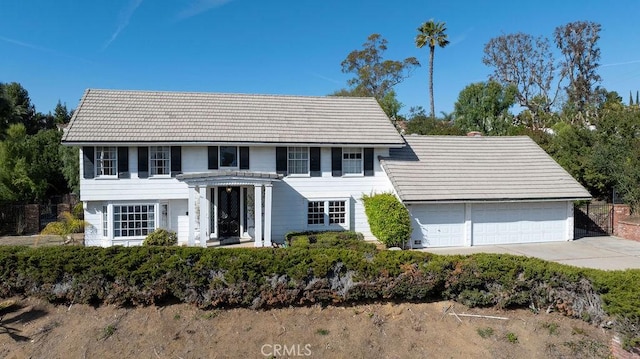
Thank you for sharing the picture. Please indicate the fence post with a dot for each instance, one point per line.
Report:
(32, 218)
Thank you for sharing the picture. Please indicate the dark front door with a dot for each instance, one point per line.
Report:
(228, 212)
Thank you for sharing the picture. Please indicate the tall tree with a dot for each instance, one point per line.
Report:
(60, 114)
(528, 64)
(578, 43)
(484, 107)
(374, 76)
(17, 108)
(432, 34)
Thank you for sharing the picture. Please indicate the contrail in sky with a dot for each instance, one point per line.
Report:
(123, 21)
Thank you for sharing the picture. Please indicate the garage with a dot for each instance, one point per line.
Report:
(437, 225)
(472, 191)
(503, 223)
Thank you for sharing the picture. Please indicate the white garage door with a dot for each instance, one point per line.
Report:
(440, 225)
(502, 223)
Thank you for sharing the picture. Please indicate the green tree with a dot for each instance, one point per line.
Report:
(17, 108)
(421, 124)
(60, 114)
(578, 43)
(432, 34)
(374, 76)
(30, 165)
(70, 158)
(484, 107)
(527, 63)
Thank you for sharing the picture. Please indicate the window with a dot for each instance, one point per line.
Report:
(133, 220)
(328, 213)
(337, 212)
(298, 160)
(228, 156)
(352, 160)
(106, 161)
(105, 221)
(315, 213)
(160, 160)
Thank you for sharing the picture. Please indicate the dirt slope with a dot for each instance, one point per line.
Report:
(33, 328)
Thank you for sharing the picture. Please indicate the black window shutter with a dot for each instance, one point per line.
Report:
(176, 160)
(88, 154)
(281, 160)
(123, 162)
(368, 162)
(336, 161)
(244, 158)
(314, 162)
(212, 157)
(143, 162)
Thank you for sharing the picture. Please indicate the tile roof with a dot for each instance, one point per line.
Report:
(453, 168)
(151, 116)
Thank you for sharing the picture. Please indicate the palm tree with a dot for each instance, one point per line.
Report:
(432, 33)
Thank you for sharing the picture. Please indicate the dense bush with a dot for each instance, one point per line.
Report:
(389, 219)
(161, 237)
(263, 278)
(329, 239)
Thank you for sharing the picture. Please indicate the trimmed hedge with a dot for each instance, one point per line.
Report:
(161, 237)
(388, 218)
(265, 278)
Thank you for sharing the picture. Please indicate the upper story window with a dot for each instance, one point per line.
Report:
(228, 156)
(160, 160)
(298, 160)
(106, 161)
(352, 160)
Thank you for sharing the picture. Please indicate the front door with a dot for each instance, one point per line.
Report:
(228, 212)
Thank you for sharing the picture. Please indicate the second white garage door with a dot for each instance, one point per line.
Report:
(503, 223)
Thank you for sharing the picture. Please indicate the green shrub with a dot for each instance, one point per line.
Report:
(161, 237)
(388, 218)
(330, 239)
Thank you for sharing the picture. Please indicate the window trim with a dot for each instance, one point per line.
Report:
(112, 220)
(99, 163)
(237, 159)
(327, 213)
(352, 151)
(307, 161)
(166, 150)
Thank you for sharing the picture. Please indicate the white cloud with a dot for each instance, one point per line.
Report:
(200, 6)
(40, 48)
(123, 20)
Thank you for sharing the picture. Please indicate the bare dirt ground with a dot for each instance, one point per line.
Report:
(33, 328)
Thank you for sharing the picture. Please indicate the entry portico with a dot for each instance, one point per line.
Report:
(230, 204)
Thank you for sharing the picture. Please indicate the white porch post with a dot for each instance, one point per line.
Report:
(191, 210)
(267, 214)
(204, 215)
(258, 214)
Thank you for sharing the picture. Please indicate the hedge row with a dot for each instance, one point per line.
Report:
(264, 278)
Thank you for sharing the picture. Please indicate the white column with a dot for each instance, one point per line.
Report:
(267, 214)
(570, 219)
(204, 216)
(258, 214)
(191, 210)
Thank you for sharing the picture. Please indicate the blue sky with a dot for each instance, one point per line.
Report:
(57, 49)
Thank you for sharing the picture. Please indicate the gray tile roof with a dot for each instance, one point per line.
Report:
(452, 168)
(147, 116)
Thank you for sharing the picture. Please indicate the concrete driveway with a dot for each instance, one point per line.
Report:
(609, 253)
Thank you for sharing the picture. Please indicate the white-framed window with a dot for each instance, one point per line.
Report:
(352, 160)
(133, 220)
(105, 221)
(328, 213)
(298, 160)
(229, 156)
(106, 161)
(160, 160)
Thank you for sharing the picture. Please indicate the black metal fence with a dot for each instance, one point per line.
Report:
(13, 219)
(592, 219)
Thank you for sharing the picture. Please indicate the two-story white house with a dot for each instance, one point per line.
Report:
(216, 166)
(219, 168)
